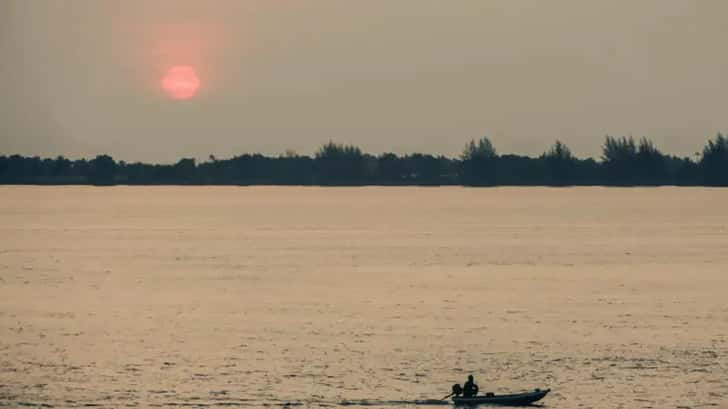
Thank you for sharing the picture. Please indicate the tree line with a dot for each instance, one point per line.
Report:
(624, 162)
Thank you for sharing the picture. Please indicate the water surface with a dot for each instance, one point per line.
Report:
(363, 297)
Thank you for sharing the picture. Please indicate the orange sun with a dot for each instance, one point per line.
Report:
(181, 82)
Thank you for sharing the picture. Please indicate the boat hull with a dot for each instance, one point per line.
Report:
(515, 399)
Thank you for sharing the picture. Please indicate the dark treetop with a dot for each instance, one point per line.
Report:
(624, 162)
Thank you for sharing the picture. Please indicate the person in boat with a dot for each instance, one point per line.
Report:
(457, 390)
(470, 389)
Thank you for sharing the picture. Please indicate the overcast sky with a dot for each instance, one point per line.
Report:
(82, 77)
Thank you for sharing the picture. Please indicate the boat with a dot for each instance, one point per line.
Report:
(514, 399)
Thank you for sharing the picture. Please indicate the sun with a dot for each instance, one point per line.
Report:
(181, 82)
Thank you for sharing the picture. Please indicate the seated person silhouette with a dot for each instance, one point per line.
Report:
(470, 389)
(457, 390)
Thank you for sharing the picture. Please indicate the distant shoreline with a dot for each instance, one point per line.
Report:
(624, 162)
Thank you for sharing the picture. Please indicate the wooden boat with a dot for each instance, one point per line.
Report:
(515, 399)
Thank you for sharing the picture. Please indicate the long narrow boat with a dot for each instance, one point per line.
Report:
(515, 399)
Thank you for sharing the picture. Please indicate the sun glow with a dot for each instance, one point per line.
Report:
(181, 82)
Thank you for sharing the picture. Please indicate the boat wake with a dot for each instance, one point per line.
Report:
(367, 402)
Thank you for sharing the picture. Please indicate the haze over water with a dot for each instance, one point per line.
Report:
(260, 296)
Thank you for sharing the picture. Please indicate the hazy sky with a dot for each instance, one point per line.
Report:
(81, 77)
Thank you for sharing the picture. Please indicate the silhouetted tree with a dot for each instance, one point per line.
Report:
(340, 164)
(620, 157)
(519, 170)
(561, 164)
(61, 168)
(714, 162)
(482, 149)
(650, 167)
(423, 169)
(293, 169)
(390, 169)
(185, 171)
(478, 163)
(682, 171)
(102, 170)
